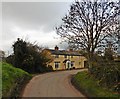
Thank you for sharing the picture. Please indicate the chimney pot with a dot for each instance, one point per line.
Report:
(70, 49)
(56, 48)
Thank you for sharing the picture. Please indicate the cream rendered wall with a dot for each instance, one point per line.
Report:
(60, 59)
(78, 61)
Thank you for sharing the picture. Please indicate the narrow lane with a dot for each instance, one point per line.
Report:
(54, 84)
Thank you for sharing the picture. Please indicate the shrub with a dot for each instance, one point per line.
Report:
(107, 72)
(28, 57)
(89, 86)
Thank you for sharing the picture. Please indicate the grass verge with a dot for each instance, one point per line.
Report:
(90, 87)
(13, 80)
(0, 80)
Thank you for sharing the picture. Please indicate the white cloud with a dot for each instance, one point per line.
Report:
(35, 21)
(37, 0)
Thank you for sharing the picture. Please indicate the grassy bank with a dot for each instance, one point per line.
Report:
(13, 79)
(0, 80)
(90, 87)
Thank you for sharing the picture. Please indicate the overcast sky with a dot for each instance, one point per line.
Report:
(34, 21)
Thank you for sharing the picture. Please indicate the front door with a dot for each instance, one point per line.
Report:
(68, 64)
(85, 64)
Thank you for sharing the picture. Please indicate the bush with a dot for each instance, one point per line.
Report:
(28, 57)
(107, 72)
(89, 86)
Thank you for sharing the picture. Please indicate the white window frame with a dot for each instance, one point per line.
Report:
(57, 65)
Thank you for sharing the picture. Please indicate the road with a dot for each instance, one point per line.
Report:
(54, 84)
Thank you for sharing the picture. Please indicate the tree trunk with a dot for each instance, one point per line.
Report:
(90, 61)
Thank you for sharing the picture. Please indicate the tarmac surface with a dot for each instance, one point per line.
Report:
(53, 84)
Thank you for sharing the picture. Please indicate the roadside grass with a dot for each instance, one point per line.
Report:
(0, 80)
(13, 79)
(90, 87)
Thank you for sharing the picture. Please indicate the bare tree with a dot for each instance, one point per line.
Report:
(117, 35)
(87, 25)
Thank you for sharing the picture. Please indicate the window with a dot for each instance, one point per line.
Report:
(65, 56)
(56, 56)
(57, 65)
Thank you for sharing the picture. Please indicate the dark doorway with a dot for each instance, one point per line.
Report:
(85, 64)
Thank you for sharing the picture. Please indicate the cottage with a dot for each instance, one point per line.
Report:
(63, 59)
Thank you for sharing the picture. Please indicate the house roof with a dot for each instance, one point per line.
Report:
(64, 52)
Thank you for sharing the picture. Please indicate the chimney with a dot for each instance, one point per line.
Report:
(70, 49)
(56, 48)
